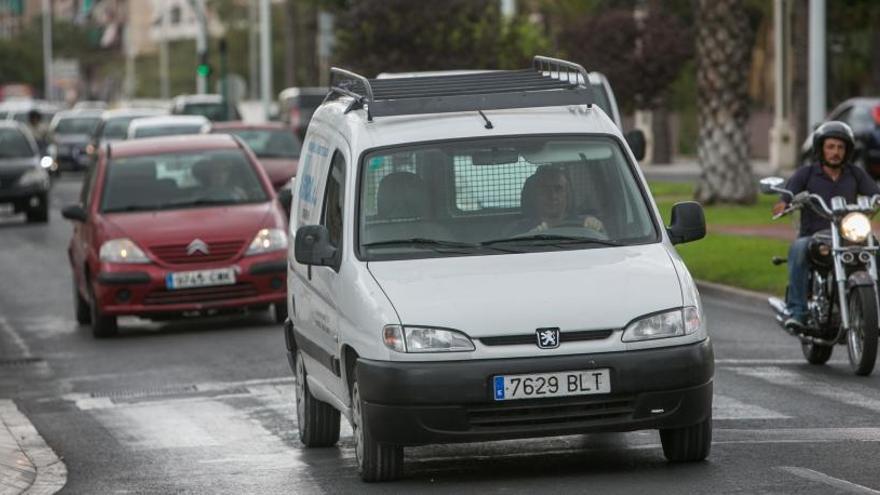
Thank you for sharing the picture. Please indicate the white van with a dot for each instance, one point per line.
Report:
(477, 257)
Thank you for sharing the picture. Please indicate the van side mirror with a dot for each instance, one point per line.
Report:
(312, 246)
(688, 223)
(636, 141)
(75, 213)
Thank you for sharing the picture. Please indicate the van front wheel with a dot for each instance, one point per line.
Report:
(688, 444)
(376, 461)
(318, 422)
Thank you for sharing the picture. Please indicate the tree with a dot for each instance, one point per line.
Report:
(641, 57)
(405, 35)
(724, 43)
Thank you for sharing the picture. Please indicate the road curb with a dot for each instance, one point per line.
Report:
(728, 292)
(27, 464)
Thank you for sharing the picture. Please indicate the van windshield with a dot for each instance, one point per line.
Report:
(492, 196)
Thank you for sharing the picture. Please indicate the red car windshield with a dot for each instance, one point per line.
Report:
(181, 180)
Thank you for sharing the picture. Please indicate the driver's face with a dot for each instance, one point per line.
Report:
(552, 197)
(834, 150)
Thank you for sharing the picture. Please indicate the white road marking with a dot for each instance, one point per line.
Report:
(823, 478)
(724, 407)
(794, 435)
(768, 362)
(811, 385)
(23, 350)
(51, 473)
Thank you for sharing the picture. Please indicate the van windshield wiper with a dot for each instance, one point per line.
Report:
(422, 241)
(552, 239)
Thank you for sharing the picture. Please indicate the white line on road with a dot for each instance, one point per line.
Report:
(51, 473)
(724, 407)
(6, 328)
(811, 385)
(823, 478)
(768, 362)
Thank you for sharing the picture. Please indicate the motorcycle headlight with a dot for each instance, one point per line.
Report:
(266, 241)
(425, 339)
(34, 177)
(122, 251)
(675, 323)
(855, 227)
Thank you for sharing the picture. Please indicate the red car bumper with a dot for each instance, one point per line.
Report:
(140, 290)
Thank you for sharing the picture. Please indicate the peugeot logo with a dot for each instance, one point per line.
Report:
(547, 338)
(197, 246)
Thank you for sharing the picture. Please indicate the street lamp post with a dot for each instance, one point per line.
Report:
(47, 49)
(265, 57)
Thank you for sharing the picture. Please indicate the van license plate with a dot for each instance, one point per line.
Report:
(559, 384)
(200, 278)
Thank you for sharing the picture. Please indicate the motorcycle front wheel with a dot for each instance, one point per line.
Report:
(861, 340)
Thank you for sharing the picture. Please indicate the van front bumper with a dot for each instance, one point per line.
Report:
(445, 402)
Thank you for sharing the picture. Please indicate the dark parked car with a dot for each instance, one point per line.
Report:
(210, 106)
(69, 135)
(276, 146)
(296, 106)
(24, 179)
(862, 114)
(114, 127)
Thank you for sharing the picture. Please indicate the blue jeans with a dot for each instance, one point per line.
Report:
(798, 278)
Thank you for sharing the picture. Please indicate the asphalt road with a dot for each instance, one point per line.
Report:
(206, 406)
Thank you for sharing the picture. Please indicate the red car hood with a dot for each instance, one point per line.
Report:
(279, 170)
(226, 223)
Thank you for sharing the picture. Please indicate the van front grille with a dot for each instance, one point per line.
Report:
(549, 412)
(564, 337)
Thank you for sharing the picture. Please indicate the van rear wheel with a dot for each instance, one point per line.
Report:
(688, 444)
(376, 461)
(318, 422)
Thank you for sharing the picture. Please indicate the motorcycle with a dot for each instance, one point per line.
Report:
(842, 297)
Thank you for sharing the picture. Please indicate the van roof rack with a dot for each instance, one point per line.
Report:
(550, 82)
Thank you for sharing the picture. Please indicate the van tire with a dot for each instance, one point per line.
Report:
(687, 444)
(375, 461)
(318, 422)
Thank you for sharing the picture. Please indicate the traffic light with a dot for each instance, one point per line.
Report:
(204, 68)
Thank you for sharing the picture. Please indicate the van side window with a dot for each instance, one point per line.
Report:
(334, 198)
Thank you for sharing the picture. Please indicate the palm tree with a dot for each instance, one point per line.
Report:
(724, 44)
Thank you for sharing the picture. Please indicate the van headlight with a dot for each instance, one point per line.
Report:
(855, 227)
(425, 339)
(266, 241)
(122, 251)
(675, 323)
(34, 177)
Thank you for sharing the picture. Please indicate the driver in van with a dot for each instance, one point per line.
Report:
(547, 200)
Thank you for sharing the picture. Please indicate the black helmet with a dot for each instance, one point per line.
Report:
(833, 129)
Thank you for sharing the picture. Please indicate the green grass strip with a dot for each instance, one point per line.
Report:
(737, 260)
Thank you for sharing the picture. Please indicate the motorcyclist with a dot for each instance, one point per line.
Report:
(831, 174)
(39, 130)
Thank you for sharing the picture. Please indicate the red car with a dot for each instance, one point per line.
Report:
(176, 226)
(275, 144)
